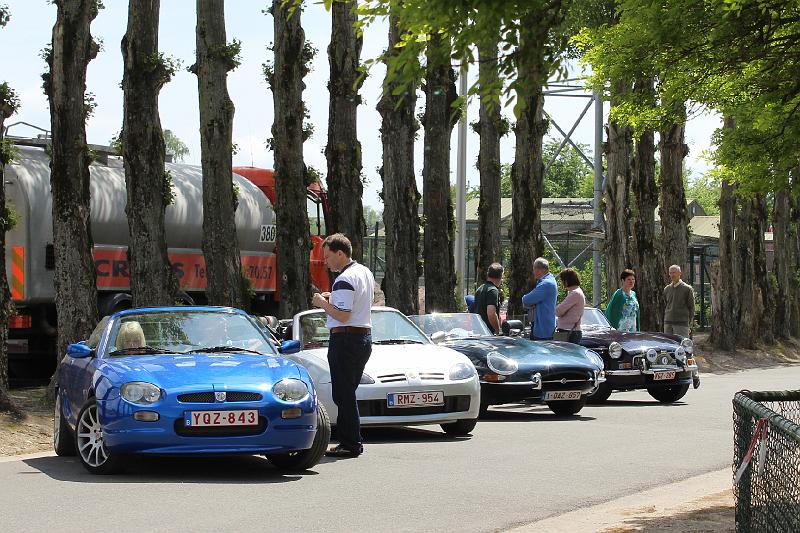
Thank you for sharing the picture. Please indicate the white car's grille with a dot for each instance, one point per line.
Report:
(401, 377)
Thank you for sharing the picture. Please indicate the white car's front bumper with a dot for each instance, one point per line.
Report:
(373, 398)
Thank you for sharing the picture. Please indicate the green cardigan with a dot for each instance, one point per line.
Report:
(614, 309)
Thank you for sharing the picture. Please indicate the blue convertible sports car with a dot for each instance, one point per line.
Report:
(185, 380)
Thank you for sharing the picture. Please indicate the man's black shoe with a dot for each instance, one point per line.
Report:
(343, 451)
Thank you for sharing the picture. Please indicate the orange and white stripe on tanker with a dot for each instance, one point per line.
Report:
(17, 272)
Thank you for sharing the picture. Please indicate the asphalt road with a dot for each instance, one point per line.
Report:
(521, 465)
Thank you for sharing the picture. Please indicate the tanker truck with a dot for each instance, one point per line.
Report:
(30, 259)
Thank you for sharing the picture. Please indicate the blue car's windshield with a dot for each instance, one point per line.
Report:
(454, 325)
(179, 331)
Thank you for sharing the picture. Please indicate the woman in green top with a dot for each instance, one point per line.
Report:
(623, 308)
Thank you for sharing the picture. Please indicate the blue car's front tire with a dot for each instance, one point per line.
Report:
(89, 442)
(305, 459)
(63, 439)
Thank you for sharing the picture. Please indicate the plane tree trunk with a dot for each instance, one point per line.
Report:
(437, 205)
(674, 212)
(343, 150)
(149, 187)
(65, 85)
(215, 58)
(399, 194)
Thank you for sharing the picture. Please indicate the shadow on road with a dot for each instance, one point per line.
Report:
(144, 469)
(525, 412)
(391, 435)
(637, 403)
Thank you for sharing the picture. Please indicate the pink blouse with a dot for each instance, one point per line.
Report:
(570, 310)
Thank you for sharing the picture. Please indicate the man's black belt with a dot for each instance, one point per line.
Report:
(351, 329)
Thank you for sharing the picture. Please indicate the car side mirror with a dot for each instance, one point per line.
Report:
(290, 347)
(439, 337)
(512, 327)
(79, 350)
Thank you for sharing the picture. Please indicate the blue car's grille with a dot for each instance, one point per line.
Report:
(220, 431)
(208, 397)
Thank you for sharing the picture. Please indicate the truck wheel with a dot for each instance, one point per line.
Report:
(305, 459)
(63, 439)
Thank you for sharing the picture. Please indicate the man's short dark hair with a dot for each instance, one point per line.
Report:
(570, 278)
(626, 274)
(495, 271)
(338, 243)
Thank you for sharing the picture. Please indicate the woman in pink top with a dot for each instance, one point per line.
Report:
(570, 311)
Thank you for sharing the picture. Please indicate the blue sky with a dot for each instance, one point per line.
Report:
(30, 29)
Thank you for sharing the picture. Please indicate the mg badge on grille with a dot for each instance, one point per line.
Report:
(220, 396)
(563, 381)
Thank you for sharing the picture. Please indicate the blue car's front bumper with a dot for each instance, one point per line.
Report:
(168, 435)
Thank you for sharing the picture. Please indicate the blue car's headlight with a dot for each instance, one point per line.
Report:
(461, 371)
(500, 364)
(140, 392)
(290, 390)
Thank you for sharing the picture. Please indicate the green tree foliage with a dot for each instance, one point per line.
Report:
(175, 146)
(706, 190)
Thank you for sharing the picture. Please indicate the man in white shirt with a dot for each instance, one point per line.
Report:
(348, 307)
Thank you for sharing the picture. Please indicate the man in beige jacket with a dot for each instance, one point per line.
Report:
(679, 309)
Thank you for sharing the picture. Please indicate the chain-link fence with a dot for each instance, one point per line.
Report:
(766, 461)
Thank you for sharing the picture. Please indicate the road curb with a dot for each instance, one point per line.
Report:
(616, 512)
(12, 458)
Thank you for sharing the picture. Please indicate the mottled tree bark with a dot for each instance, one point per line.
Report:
(764, 300)
(746, 284)
(645, 254)
(343, 150)
(527, 171)
(618, 148)
(725, 300)
(293, 237)
(152, 281)
(437, 206)
(673, 211)
(65, 85)
(226, 285)
(783, 263)
(6, 110)
(490, 129)
(794, 244)
(400, 196)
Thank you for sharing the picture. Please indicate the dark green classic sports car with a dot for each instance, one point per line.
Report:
(514, 369)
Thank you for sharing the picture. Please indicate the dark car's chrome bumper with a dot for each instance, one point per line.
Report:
(641, 379)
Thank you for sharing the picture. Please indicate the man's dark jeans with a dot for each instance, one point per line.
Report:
(348, 354)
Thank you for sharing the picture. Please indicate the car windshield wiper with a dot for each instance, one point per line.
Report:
(397, 341)
(218, 349)
(139, 350)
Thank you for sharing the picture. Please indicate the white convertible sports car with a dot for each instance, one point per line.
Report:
(408, 380)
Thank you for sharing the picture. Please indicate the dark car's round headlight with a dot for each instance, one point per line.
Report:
(688, 345)
(680, 354)
(595, 358)
(140, 392)
(652, 355)
(615, 350)
(500, 364)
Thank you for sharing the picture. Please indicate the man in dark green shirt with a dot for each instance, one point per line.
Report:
(487, 297)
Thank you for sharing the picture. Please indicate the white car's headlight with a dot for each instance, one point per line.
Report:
(366, 380)
(615, 350)
(595, 358)
(290, 390)
(140, 392)
(500, 364)
(652, 355)
(688, 345)
(461, 371)
(680, 354)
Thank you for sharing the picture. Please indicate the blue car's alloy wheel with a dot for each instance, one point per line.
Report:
(63, 439)
(305, 459)
(89, 442)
